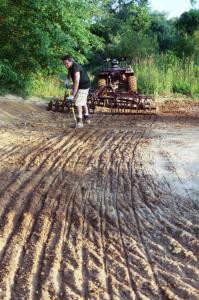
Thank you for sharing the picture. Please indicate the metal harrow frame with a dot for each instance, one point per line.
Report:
(60, 105)
(120, 102)
(108, 97)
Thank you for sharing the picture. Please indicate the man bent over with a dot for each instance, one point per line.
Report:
(81, 85)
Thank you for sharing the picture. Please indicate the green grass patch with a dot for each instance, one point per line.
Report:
(45, 86)
(163, 75)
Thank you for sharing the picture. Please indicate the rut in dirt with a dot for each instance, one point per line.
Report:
(81, 218)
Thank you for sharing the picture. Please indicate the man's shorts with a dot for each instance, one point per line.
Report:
(81, 97)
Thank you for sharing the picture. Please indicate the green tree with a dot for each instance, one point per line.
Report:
(136, 42)
(35, 34)
(188, 21)
(164, 30)
(125, 30)
(186, 44)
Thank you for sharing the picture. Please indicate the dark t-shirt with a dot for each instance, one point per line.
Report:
(84, 82)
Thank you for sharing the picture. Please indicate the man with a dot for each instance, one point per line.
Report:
(81, 85)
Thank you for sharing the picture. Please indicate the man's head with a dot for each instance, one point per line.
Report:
(68, 61)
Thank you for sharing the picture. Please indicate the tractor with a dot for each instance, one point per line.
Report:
(117, 90)
(120, 78)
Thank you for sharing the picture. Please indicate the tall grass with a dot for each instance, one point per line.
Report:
(166, 74)
(159, 75)
(45, 86)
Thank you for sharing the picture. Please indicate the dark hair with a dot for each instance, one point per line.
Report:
(67, 57)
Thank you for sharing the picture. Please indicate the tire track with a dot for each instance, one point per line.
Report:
(115, 190)
(61, 292)
(102, 171)
(39, 180)
(17, 182)
(85, 228)
(157, 218)
(6, 152)
(110, 285)
(17, 240)
(70, 151)
(67, 292)
(25, 191)
(117, 196)
(133, 175)
(27, 166)
(93, 224)
(71, 198)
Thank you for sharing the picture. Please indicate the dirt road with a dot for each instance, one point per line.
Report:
(110, 211)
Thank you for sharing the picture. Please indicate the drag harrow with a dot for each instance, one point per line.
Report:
(65, 106)
(120, 102)
(60, 105)
(114, 101)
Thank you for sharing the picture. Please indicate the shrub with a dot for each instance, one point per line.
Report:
(167, 74)
(45, 86)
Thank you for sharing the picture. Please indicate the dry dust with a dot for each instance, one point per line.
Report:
(110, 211)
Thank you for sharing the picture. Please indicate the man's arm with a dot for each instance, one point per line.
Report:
(76, 83)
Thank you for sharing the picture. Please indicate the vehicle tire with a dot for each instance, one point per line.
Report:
(57, 105)
(50, 105)
(132, 83)
(101, 82)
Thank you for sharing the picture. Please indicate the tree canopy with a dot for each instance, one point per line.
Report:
(35, 34)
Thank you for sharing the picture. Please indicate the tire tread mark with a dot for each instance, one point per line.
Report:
(139, 231)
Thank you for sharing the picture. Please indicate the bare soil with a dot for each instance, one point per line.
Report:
(110, 211)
